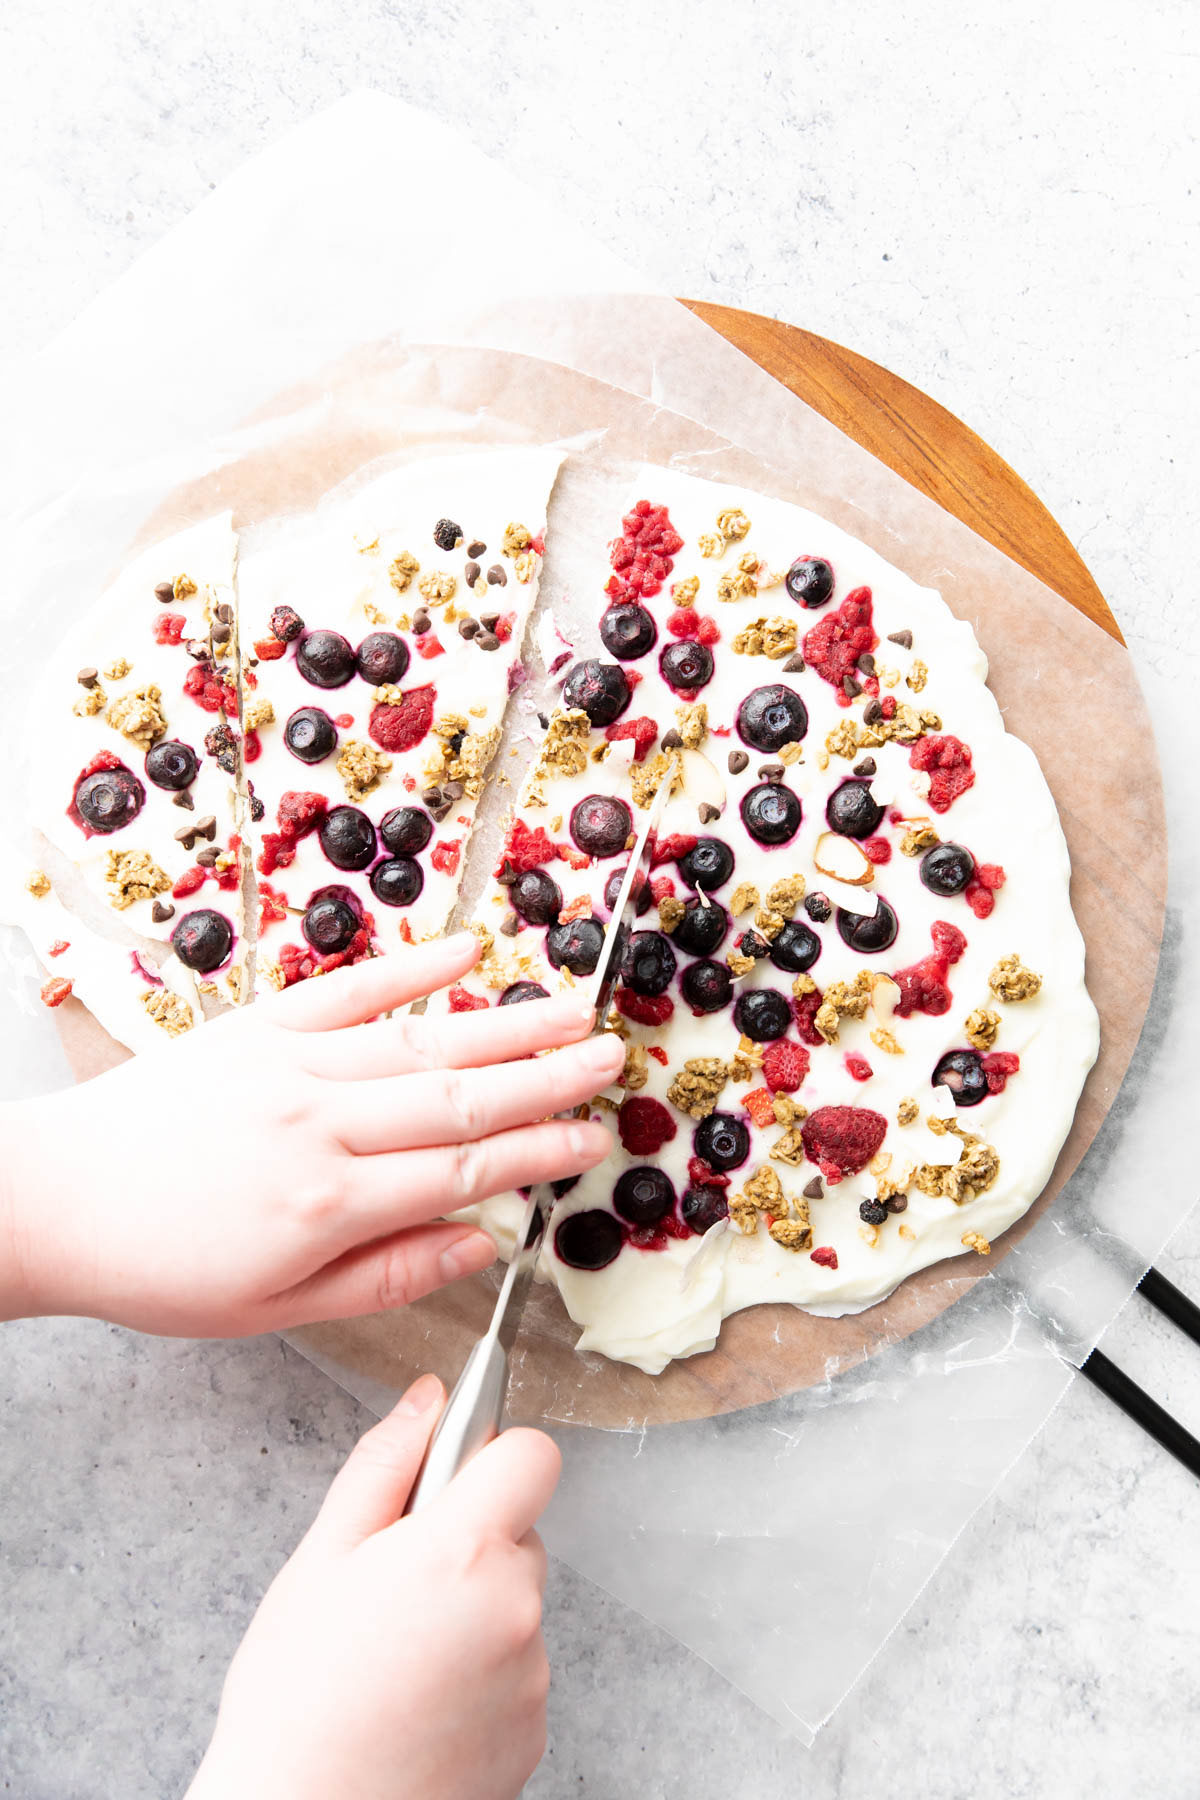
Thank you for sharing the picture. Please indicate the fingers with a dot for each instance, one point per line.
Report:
(462, 1105)
(405, 1187)
(351, 996)
(386, 1273)
(373, 1485)
(506, 1487)
(406, 1044)
(535, 1550)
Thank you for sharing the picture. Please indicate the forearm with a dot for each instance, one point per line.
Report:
(37, 1259)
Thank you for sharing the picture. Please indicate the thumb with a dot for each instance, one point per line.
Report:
(370, 1490)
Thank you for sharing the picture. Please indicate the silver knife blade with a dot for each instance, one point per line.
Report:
(608, 969)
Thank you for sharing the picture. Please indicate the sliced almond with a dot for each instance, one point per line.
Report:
(841, 859)
(884, 995)
(701, 782)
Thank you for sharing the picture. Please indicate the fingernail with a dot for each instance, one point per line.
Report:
(572, 1011)
(459, 941)
(604, 1052)
(467, 1257)
(421, 1396)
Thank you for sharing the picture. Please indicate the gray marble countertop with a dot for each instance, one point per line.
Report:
(1003, 209)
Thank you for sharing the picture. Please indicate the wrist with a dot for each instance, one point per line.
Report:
(31, 1268)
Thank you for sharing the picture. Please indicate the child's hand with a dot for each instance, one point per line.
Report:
(398, 1661)
(283, 1164)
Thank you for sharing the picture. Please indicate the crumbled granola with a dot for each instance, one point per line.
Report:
(791, 1234)
(645, 778)
(774, 637)
(692, 724)
(843, 740)
(789, 753)
(697, 1087)
(981, 1027)
(564, 747)
(183, 587)
(788, 1111)
(362, 767)
(885, 675)
(373, 614)
(803, 984)
(917, 676)
(744, 1214)
(789, 1148)
(37, 883)
(637, 1070)
(670, 911)
(869, 1235)
(906, 1231)
(711, 544)
(274, 975)
(1011, 980)
(739, 965)
(842, 1000)
(118, 669)
(258, 712)
(517, 539)
(402, 570)
(886, 1040)
(964, 1180)
(744, 1068)
(907, 1111)
(975, 1240)
(526, 566)
(437, 586)
(733, 524)
(743, 898)
(918, 837)
(462, 755)
(786, 894)
(769, 922)
(169, 1011)
(684, 592)
(90, 702)
(765, 1190)
(132, 875)
(139, 716)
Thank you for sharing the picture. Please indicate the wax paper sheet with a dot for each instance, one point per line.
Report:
(777, 1504)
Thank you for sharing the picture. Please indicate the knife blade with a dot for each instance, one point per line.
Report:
(473, 1413)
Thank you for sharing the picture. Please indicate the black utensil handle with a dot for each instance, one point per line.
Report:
(1144, 1411)
(1172, 1303)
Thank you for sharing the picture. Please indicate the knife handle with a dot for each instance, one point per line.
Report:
(470, 1419)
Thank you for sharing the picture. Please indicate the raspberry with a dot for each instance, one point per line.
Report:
(525, 849)
(804, 1011)
(661, 888)
(344, 721)
(644, 1009)
(461, 1000)
(58, 946)
(834, 645)
(923, 984)
(272, 906)
(503, 628)
(188, 882)
(56, 990)
(251, 747)
(700, 1175)
(575, 859)
(842, 1139)
(947, 761)
(278, 852)
(887, 706)
(641, 556)
(708, 632)
(761, 1107)
(857, 1066)
(296, 964)
(444, 856)
(210, 690)
(168, 627)
(269, 649)
(632, 677)
(990, 876)
(658, 1053)
(948, 940)
(877, 849)
(785, 1066)
(998, 1067)
(403, 725)
(980, 900)
(644, 1126)
(300, 812)
(683, 622)
(826, 1255)
(428, 645)
(670, 849)
(644, 733)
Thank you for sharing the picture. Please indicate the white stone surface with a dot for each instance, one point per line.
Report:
(1001, 205)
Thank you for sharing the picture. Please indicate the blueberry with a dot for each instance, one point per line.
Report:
(962, 1072)
(330, 924)
(643, 1196)
(222, 745)
(707, 986)
(722, 1141)
(709, 865)
(397, 880)
(588, 1240)
(702, 928)
(772, 716)
(642, 898)
(762, 1015)
(325, 659)
(627, 631)
(601, 825)
(851, 811)
(771, 813)
(754, 945)
(599, 689)
(686, 665)
(447, 535)
(109, 799)
(523, 990)
(947, 868)
(648, 963)
(795, 948)
(703, 1207)
(809, 581)
(819, 908)
(575, 946)
(310, 734)
(868, 932)
(535, 897)
(348, 838)
(202, 940)
(171, 765)
(872, 1212)
(405, 830)
(382, 657)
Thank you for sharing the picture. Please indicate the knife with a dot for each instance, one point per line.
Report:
(472, 1414)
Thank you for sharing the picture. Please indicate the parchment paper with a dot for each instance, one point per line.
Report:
(782, 1541)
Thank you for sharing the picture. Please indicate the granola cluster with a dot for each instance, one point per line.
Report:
(139, 716)
(698, 1085)
(133, 875)
(1011, 980)
(362, 767)
(774, 638)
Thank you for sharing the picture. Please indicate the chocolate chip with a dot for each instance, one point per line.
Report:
(471, 574)
(866, 766)
(872, 712)
(794, 664)
(208, 856)
(903, 638)
(477, 548)
(851, 688)
(468, 628)
(164, 592)
(186, 835)
(184, 799)
(737, 761)
(421, 623)
(221, 634)
(437, 803)
(454, 789)
(507, 874)
(447, 535)
(708, 812)
(487, 640)
(543, 721)
(225, 613)
(496, 576)
(87, 677)
(206, 827)
(672, 741)
(160, 913)
(897, 1203)
(814, 1190)
(866, 662)
(511, 926)
(771, 772)
(489, 620)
